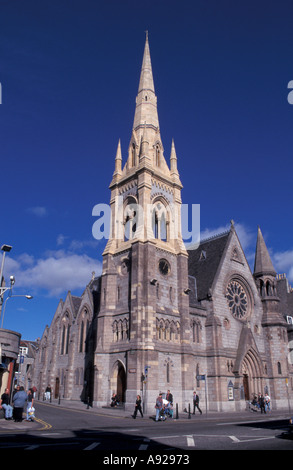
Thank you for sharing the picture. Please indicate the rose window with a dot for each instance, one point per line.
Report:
(237, 299)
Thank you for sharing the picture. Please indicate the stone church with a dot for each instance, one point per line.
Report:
(163, 317)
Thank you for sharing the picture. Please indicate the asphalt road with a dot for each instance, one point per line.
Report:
(110, 436)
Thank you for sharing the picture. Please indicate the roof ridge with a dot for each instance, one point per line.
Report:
(213, 237)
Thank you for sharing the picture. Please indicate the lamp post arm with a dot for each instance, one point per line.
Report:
(9, 297)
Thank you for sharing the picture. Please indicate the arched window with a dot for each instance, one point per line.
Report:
(76, 376)
(160, 221)
(63, 339)
(81, 337)
(130, 214)
(67, 339)
(133, 155)
(158, 155)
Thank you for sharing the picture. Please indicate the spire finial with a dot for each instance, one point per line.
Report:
(146, 35)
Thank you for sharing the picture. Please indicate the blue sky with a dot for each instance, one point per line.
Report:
(69, 73)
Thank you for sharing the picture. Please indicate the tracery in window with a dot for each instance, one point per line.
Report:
(65, 334)
(130, 216)
(160, 221)
(167, 330)
(237, 299)
(196, 331)
(120, 330)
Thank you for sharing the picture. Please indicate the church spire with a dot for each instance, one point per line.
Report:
(173, 158)
(263, 263)
(118, 159)
(146, 102)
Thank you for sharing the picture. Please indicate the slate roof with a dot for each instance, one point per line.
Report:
(204, 261)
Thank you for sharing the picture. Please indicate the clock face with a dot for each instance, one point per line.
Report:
(164, 267)
(237, 299)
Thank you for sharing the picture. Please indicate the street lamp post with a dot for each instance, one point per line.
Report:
(3, 289)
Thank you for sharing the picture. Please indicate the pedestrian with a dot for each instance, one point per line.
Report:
(48, 393)
(159, 406)
(114, 400)
(267, 402)
(30, 406)
(261, 402)
(169, 397)
(196, 403)
(137, 407)
(15, 391)
(5, 404)
(19, 401)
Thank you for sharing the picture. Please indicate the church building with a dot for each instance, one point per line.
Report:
(161, 316)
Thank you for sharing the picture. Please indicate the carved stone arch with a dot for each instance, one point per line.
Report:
(248, 367)
(169, 365)
(118, 379)
(252, 374)
(115, 331)
(161, 217)
(158, 153)
(130, 210)
(167, 330)
(84, 312)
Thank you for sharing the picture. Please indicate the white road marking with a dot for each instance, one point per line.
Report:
(234, 439)
(144, 446)
(190, 441)
(92, 446)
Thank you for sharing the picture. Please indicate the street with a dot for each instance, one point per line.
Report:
(113, 434)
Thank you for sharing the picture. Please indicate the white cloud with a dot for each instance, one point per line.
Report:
(38, 211)
(245, 234)
(56, 273)
(283, 263)
(61, 239)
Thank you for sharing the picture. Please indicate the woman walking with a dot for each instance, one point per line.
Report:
(137, 407)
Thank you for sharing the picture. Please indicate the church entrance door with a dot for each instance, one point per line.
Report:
(246, 387)
(121, 382)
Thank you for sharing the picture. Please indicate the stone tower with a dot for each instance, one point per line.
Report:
(143, 325)
(273, 322)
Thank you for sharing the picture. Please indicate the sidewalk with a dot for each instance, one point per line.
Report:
(109, 411)
(119, 411)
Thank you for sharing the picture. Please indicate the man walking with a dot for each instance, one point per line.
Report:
(159, 406)
(196, 403)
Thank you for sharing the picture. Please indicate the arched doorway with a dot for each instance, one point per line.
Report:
(121, 382)
(252, 374)
(118, 380)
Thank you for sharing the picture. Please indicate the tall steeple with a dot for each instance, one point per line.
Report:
(146, 102)
(146, 147)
